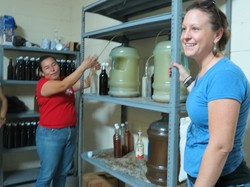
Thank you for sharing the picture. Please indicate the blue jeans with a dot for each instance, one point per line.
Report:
(55, 149)
(191, 184)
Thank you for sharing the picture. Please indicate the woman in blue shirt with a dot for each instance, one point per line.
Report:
(218, 102)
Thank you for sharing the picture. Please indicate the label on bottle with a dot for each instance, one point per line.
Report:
(139, 153)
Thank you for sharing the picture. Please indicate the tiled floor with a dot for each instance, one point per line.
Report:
(71, 182)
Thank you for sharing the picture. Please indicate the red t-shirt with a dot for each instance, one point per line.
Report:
(56, 111)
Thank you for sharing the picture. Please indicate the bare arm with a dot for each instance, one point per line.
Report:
(86, 81)
(4, 107)
(52, 87)
(223, 117)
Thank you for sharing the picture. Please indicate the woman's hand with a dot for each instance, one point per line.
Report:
(89, 62)
(96, 67)
(184, 74)
(93, 69)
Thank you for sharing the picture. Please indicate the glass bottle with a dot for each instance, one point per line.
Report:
(62, 68)
(130, 139)
(32, 69)
(127, 139)
(20, 68)
(16, 135)
(157, 162)
(94, 82)
(68, 67)
(23, 138)
(9, 136)
(103, 81)
(38, 71)
(117, 142)
(146, 83)
(124, 148)
(10, 70)
(72, 66)
(14, 70)
(27, 68)
(29, 135)
(34, 126)
(139, 152)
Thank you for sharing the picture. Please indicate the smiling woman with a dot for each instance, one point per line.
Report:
(56, 132)
(214, 149)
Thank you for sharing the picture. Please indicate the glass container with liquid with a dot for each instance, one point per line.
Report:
(117, 142)
(157, 163)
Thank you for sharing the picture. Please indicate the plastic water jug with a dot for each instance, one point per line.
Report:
(124, 72)
(161, 84)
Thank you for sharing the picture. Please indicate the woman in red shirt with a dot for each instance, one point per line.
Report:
(56, 133)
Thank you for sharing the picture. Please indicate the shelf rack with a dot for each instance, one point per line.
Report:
(136, 102)
(127, 175)
(25, 175)
(137, 29)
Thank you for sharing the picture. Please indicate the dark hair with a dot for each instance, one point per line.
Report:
(217, 19)
(42, 58)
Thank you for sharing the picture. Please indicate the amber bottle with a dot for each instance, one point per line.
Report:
(117, 142)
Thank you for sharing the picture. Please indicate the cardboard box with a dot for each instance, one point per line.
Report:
(99, 179)
(7, 26)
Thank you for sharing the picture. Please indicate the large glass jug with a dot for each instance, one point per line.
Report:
(124, 73)
(157, 163)
(161, 84)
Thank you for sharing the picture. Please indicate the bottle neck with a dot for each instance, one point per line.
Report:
(139, 137)
(146, 69)
(117, 131)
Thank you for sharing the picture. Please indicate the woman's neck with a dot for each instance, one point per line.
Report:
(207, 63)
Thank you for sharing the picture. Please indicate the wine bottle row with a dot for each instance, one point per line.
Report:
(19, 134)
(27, 68)
(123, 140)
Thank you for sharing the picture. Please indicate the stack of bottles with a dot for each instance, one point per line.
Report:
(66, 66)
(19, 134)
(26, 68)
(123, 140)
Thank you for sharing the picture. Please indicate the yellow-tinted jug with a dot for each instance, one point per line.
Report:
(124, 73)
(161, 84)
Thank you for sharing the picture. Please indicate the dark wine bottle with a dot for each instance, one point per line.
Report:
(10, 70)
(103, 82)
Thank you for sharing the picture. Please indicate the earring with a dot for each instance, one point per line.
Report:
(215, 50)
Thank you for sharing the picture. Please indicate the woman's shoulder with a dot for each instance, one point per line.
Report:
(42, 80)
(225, 66)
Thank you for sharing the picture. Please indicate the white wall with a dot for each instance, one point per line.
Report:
(240, 49)
(39, 19)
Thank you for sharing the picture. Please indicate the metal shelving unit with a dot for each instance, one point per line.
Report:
(126, 177)
(136, 102)
(25, 175)
(141, 28)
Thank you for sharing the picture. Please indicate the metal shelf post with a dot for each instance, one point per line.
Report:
(173, 139)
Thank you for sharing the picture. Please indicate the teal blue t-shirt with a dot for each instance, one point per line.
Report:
(225, 80)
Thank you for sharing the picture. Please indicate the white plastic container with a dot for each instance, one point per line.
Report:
(161, 84)
(124, 73)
